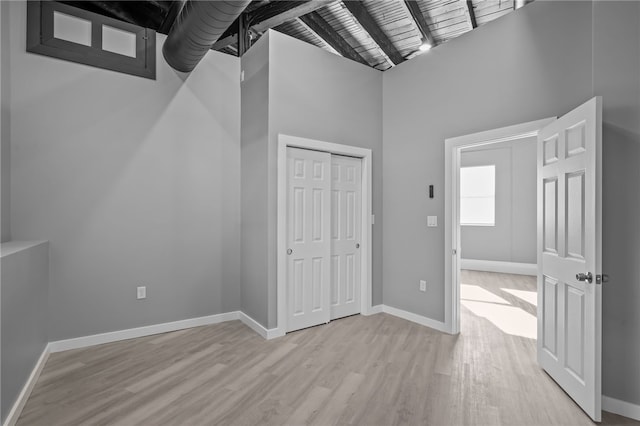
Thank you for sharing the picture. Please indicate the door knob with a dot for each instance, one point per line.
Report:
(588, 277)
(357, 245)
(289, 251)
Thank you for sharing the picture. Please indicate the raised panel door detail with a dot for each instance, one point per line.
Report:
(550, 218)
(298, 286)
(569, 345)
(550, 150)
(335, 172)
(336, 272)
(575, 139)
(318, 214)
(351, 278)
(575, 215)
(298, 168)
(351, 174)
(317, 284)
(318, 170)
(350, 232)
(346, 245)
(550, 316)
(574, 331)
(308, 238)
(298, 216)
(335, 217)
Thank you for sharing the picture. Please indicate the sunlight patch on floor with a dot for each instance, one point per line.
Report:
(479, 294)
(527, 296)
(509, 319)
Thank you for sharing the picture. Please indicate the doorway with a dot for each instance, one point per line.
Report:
(343, 301)
(569, 245)
(453, 150)
(498, 267)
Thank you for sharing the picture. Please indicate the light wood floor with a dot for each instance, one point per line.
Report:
(376, 370)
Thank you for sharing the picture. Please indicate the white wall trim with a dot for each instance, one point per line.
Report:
(377, 309)
(453, 146)
(497, 266)
(418, 319)
(366, 290)
(621, 408)
(267, 333)
(132, 333)
(20, 402)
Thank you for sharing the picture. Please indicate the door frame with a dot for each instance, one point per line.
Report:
(453, 147)
(366, 291)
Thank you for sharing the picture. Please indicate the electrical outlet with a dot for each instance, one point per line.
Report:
(423, 285)
(142, 292)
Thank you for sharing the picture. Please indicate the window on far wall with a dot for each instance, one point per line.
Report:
(478, 196)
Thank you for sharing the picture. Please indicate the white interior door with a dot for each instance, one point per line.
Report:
(346, 218)
(309, 243)
(569, 244)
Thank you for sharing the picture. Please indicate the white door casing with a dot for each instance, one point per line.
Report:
(366, 249)
(453, 148)
(569, 243)
(308, 236)
(346, 217)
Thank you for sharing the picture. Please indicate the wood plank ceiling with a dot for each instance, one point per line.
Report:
(377, 33)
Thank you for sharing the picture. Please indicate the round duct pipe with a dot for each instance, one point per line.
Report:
(197, 27)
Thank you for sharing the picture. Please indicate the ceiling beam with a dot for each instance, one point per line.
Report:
(319, 26)
(290, 14)
(471, 14)
(421, 22)
(325, 45)
(367, 22)
(269, 16)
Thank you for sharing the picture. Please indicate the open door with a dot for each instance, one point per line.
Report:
(569, 253)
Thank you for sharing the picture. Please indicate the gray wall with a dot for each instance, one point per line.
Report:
(133, 181)
(531, 64)
(542, 60)
(25, 281)
(318, 95)
(255, 129)
(616, 77)
(513, 238)
(5, 128)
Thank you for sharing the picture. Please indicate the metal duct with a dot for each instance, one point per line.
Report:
(197, 27)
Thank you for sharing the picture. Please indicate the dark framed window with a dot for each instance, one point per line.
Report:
(65, 32)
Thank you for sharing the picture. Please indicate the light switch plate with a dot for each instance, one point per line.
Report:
(432, 221)
(141, 292)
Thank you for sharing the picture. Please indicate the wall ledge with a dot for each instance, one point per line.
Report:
(13, 247)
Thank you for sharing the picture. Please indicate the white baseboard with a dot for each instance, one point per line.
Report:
(259, 328)
(377, 309)
(419, 319)
(18, 405)
(503, 267)
(621, 408)
(132, 333)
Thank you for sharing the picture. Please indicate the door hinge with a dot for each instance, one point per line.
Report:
(604, 278)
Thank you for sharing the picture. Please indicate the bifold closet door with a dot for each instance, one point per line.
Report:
(308, 237)
(346, 220)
